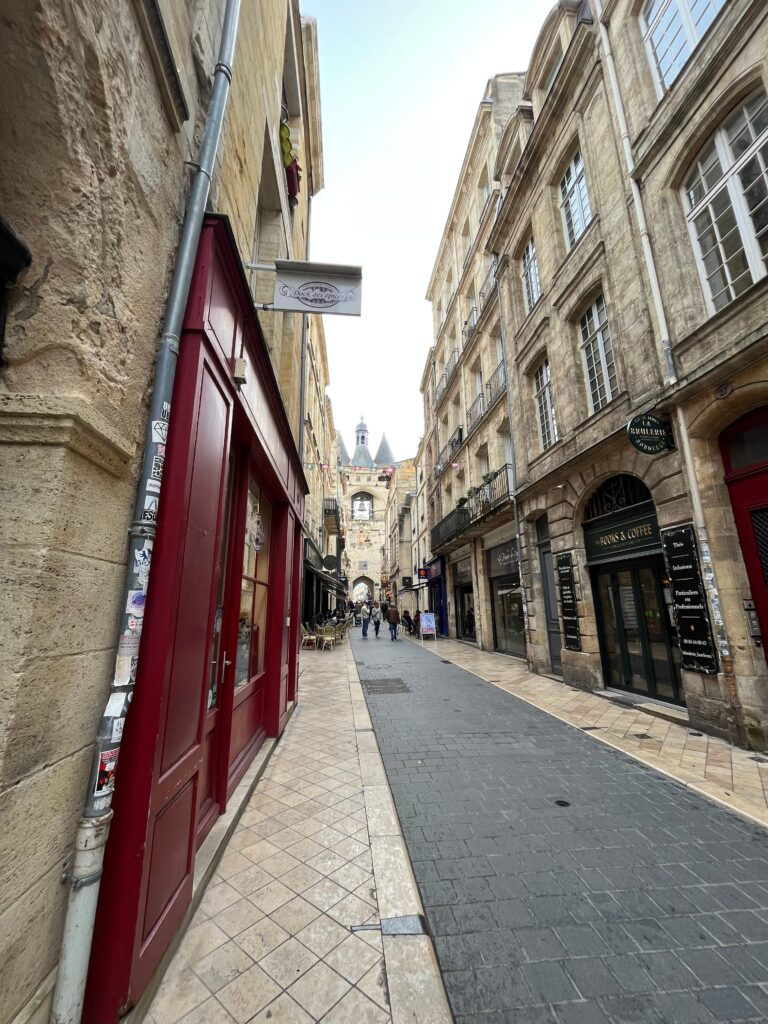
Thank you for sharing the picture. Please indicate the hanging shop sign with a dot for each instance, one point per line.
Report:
(503, 561)
(423, 573)
(317, 288)
(622, 536)
(435, 569)
(649, 434)
(689, 601)
(568, 607)
(331, 563)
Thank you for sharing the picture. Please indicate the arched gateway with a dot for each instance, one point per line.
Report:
(362, 588)
(633, 600)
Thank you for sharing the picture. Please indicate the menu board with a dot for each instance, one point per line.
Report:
(689, 602)
(568, 607)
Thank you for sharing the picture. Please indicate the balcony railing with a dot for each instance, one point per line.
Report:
(447, 375)
(491, 496)
(488, 286)
(446, 452)
(475, 412)
(455, 439)
(454, 523)
(469, 325)
(468, 253)
(440, 386)
(496, 384)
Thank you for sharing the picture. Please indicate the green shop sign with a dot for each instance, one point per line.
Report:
(649, 434)
(627, 536)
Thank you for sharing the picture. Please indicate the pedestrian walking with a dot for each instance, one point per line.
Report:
(417, 622)
(365, 615)
(384, 610)
(376, 618)
(393, 618)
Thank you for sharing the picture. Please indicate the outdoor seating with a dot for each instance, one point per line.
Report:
(327, 637)
(307, 639)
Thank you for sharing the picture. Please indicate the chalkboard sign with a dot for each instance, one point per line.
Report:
(689, 602)
(568, 602)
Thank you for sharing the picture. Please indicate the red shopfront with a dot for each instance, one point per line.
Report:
(218, 663)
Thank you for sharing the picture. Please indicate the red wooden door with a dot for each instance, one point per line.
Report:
(180, 772)
(745, 455)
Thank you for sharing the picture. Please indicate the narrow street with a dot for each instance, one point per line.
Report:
(563, 881)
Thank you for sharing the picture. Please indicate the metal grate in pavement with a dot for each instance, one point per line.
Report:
(379, 687)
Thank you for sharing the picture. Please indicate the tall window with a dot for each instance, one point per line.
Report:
(672, 28)
(599, 364)
(726, 196)
(531, 283)
(574, 201)
(545, 406)
(252, 622)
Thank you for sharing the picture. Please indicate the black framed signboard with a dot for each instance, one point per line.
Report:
(689, 602)
(571, 634)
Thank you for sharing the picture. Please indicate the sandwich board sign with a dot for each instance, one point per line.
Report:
(427, 625)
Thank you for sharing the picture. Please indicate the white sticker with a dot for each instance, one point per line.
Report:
(154, 486)
(114, 705)
(166, 413)
(122, 670)
(135, 603)
(160, 431)
(117, 729)
(150, 508)
(128, 645)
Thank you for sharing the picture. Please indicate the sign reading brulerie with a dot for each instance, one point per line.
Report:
(302, 287)
(650, 435)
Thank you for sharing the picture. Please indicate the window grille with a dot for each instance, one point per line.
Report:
(616, 493)
(726, 200)
(574, 200)
(545, 405)
(597, 349)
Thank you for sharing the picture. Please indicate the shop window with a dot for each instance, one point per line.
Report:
(574, 200)
(597, 352)
(545, 406)
(531, 283)
(672, 29)
(726, 200)
(252, 620)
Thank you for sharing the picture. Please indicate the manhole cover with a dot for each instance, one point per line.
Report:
(377, 687)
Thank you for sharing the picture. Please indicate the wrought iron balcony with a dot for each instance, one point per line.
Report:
(455, 439)
(446, 452)
(492, 500)
(496, 384)
(440, 386)
(446, 376)
(331, 516)
(475, 413)
(469, 325)
(488, 286)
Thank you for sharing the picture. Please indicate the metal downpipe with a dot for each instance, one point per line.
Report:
(93, 827)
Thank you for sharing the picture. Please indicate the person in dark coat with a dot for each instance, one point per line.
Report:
(407, 621)
(393, 618)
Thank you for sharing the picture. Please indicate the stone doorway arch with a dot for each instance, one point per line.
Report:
(362, 588)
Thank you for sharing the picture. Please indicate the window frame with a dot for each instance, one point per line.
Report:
(727, 182)
(601, 331)
(545, 401)
(688, 27)
(529, 280)
(574, 190)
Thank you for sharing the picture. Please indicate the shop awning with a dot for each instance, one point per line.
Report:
(330, 581)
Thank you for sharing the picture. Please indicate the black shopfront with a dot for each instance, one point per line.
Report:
(464, 597)
(506, 599)
(634, 609)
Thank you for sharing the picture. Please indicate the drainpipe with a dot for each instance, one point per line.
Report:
(88, 856)
(670, 375)
(513, 469)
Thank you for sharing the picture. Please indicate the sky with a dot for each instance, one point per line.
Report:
(400, 85)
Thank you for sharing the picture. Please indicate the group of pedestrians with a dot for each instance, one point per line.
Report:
(373, 612)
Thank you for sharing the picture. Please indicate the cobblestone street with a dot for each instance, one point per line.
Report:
(563, 880)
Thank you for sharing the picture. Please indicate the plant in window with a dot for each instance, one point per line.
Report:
(726, 199)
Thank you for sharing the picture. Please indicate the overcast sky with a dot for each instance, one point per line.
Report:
(400, 84)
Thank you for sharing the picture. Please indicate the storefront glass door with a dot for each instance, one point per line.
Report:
(637, 631)
(465, 613)
(508, 616)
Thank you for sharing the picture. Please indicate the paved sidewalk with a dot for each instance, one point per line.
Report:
(564, 882)
(737, 778)
(317, 852)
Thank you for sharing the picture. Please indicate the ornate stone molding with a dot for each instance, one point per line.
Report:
(66, 423)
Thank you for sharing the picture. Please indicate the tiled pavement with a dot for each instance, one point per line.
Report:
(738, 778)
(563, 881)
(271, 939)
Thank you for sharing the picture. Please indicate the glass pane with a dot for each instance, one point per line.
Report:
(245, 618)
(213, 677)
(632, 627)
(251, 529)
(610, 637)
(749, 446)
(259, 630)
(264, 529)
(656, 634)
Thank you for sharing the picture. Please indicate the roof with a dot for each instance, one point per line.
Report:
(343, 453)
(384, 456)
(361, 456)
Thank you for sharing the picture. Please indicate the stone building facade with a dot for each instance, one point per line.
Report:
(365, 479)
(630, 243)
(94, 173)
(399, 517)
